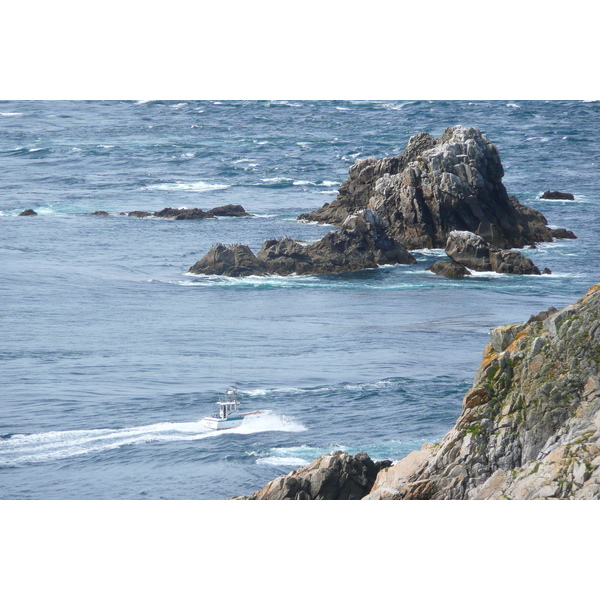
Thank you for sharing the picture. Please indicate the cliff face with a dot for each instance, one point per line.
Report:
(530, 424)
(529, 427)
(435, 186)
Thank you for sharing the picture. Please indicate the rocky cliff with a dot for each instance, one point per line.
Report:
(530, 424)
(438, 185)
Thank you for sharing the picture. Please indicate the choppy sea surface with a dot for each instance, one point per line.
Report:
(110, 354)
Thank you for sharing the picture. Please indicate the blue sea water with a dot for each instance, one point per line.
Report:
(110, 354)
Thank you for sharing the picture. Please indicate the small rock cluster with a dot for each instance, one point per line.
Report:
(360, 243)
(181, 214)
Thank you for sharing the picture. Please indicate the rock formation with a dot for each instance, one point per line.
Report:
(28, 213)
(449, 268)
(360, 243)
(335, 476)
(529, 426)
(548, 195)
(181, 214)
(438, 185)
(473, 252)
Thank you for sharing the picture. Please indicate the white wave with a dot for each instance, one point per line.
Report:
(11, 114)
(143, 102)
(394, 106)
(105, 146)
(261, 142)
(511, 105)
(188, 155)
(317, 183)
(282, 461)
(191, 186)
(342, 108)
(57, 445)
(179, 105)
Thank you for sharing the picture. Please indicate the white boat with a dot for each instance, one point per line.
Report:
(229, 415)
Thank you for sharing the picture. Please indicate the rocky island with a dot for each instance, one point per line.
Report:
(386, 207)
(529, 426)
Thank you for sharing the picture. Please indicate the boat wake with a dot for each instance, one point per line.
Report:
(20, 449)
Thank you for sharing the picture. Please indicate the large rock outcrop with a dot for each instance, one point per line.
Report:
(335, 476)
(438, 185)
(529, 426)
(360, 243)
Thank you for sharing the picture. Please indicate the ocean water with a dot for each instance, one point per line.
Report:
(110, 354)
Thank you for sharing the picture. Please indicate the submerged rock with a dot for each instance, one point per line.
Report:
(28, 213)
(361, 243)
(548, 195)
(438, 185)
(335, 476)
(472, 251)
(100, 213)
(140, 214)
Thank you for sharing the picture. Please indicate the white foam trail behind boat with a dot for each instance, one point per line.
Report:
(55, 445)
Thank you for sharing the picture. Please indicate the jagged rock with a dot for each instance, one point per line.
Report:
(140, 214)
(472, 251)
(234, 261)
(335, 476)
(361, 243)
(28, 213)
(230, 210)
(530, 424)
(100, 213)
(438, 185)
(449, 268)
(548, 195)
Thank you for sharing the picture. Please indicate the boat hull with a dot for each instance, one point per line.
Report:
(217, 423)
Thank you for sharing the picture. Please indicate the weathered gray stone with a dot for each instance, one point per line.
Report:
(438, 185)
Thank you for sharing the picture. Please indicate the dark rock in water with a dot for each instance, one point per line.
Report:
(512, 262)
(562, 233)
(229, 210)
(28, 213)
(234, 261)
(335, 476)
(472, 251)
(546, 271)
(438, 185)
(140, 214)
(285, 257)
(449, 268)
(361, 243)
(548, 195)
(181, 214)
(100, 213)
